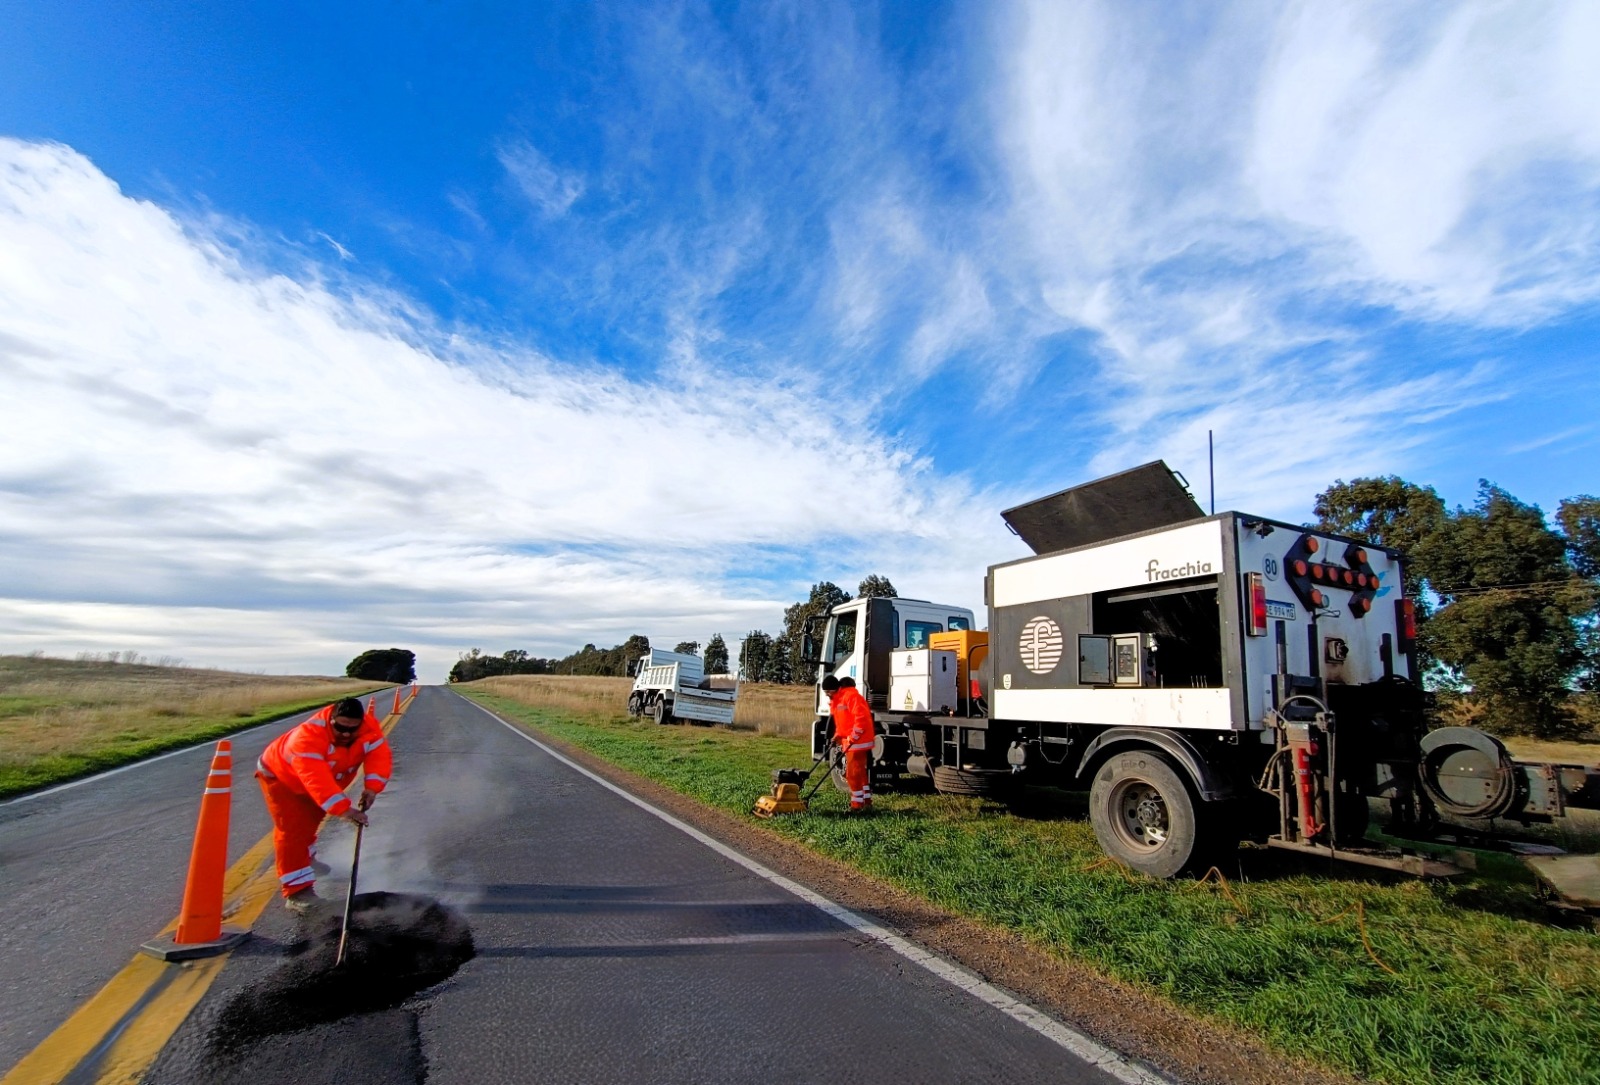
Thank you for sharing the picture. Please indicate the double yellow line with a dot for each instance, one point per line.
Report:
(114, 1037)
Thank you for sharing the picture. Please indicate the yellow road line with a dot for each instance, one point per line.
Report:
(117, 1034)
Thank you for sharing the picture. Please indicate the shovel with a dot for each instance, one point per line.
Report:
(349, 898)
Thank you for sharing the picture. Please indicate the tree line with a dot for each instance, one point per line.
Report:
(615, 662)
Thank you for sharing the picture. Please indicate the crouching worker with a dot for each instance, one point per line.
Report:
(303, 775)
(853, 733)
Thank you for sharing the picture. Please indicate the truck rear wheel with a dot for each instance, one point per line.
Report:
(660, 711)
(1144, 815)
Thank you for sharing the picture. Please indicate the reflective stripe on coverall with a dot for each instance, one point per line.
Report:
(303, 775)
(853, 732)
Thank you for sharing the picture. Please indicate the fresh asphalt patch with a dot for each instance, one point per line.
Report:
(399, 944)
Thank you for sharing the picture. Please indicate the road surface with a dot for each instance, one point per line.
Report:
(611, 945)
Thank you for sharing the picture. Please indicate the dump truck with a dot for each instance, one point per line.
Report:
(671, 687)
(1206, 678)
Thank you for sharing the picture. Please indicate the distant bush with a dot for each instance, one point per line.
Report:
(384, 665)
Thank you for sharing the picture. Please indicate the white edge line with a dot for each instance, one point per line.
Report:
(1096, 1054)
(208, 744)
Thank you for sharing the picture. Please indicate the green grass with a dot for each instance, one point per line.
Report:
(1479, 991)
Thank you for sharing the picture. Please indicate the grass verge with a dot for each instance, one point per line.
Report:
(1392, 979)
(62, 719)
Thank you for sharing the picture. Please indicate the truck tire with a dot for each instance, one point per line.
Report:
(984, 783)
(660, 711)
(635, 706)
(1144, 815)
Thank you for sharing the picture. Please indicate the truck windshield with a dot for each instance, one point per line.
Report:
(844, 636)
(917, 633)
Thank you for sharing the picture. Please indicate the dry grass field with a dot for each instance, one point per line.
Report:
(61, 718)
(763, 708)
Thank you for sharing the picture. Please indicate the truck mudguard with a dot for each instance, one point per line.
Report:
(1211, 786)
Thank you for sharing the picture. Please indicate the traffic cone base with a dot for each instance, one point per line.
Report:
(167, 947)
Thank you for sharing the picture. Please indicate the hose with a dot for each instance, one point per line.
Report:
(1498, 802)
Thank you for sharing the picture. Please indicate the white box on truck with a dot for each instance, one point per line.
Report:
(923, 680)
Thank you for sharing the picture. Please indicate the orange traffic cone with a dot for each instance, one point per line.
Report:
(200, 932)
(396, 707)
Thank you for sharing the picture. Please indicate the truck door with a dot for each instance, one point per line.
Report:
(881, 619)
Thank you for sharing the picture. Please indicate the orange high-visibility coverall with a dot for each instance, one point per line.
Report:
(303, 776)
(853, 732)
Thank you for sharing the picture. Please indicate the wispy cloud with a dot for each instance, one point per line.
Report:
(551, 191)
(253, 441)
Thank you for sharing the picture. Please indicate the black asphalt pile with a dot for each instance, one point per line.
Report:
(399, 944)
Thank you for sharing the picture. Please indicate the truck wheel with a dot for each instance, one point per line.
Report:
(1144, 815)
(660, 711)
(635, 709)
(985, 783)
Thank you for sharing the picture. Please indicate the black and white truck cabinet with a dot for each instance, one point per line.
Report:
(1206, 679)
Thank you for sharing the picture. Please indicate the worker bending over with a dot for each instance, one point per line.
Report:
(853, 733)
(303, 775)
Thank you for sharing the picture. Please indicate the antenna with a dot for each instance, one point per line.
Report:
(1211, 467)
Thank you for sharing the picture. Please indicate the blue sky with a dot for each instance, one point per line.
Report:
(526, 328)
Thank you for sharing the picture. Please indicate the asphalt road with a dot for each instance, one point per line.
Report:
(610, 945)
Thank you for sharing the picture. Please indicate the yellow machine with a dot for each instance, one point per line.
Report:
(785, 797)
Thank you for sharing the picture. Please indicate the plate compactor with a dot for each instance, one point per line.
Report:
(785, 797)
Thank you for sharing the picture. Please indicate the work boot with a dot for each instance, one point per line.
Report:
(303, 903)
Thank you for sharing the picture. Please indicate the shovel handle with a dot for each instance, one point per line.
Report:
(349, 899)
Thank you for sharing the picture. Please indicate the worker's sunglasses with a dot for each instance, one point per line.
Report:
(346, 730)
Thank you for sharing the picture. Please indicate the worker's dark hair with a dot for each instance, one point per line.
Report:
(847, 682)
(349, 708)
(829, 684)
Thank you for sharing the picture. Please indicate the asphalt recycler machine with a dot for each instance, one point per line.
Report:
(1206, 678)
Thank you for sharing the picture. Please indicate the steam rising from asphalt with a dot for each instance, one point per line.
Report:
(419, 823)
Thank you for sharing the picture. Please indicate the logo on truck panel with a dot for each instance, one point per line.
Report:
(1040, 645)
(1154, 571)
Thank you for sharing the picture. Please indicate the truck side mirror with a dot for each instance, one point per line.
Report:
(809, 651)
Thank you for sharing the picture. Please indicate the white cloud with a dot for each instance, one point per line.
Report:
(194, 436)
(1241, 204)
(548, 189)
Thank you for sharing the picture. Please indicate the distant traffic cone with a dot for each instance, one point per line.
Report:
(372, 709)
(200, 932)
(396, 707)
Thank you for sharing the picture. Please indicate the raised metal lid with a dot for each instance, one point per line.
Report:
(1140, 499)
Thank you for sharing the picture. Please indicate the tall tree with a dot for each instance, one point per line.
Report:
(716, 659)
(824, 597)
(688, 647)
(634, 648)
(1579, 518)
(876, 587)
(1509, 624)
(753, 656)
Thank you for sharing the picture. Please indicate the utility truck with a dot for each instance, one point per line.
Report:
(1204, 678)
(671, 687)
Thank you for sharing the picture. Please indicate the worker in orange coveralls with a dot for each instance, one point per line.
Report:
(853, 733)
(303, 775)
